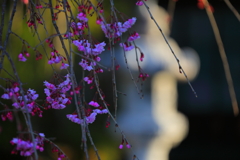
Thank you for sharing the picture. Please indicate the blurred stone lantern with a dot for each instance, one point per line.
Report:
(153, 125)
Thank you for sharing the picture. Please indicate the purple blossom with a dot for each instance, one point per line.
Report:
(128, 145)
(85, 65)
(88, 80)
(94, 104)
(91, 118)
(64, 66)
(116, 29)
(82, 17)
(99, 48)
(26, 148)
(139, 3)
(5, 96)
(59, 100)
(133, 37)
(74, 118)
(126, 46)
(120, 146)
(21, 57)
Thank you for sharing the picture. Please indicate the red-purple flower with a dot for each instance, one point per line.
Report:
(82, 17)
(133, 37)
(126, 46)
(94, 104)
(21, 57)
(139, 3)
(56, 95)
(26, 148)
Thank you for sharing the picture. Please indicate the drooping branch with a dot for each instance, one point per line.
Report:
(181, 70)
(223, 57)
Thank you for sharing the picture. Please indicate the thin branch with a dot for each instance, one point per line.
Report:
(26, 116)
(171, 9)
(92, 143)
(2, 20)
(235, 12)
(169, 46)
(73, 78)
(223, 57)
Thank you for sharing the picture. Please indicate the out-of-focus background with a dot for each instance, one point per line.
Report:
(213, 130)
(201, 128)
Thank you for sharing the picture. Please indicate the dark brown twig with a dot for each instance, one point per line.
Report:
(169, 46)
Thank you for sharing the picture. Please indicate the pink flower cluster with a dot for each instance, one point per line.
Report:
(18, 101)
(94, 104)
(116, 29)
(121, 146)
(11, 92)
(56, 95)
(7, 115)
(32, 21)
(140, 2)
(55, 58)
(82, 17)
(90, 53)
(60, 154)
(133, 37)
(127, 46)
(78, 28)
(64, 66)
(91, 116)
(22, 58)
(26, 147)
(89, 80)
(143, 76)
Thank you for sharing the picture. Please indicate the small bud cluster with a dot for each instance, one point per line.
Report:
(201, 5)
(21, 56)
(124, 141)
(55, 57)
(140, 2)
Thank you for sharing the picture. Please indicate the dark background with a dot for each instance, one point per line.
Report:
(214, 133)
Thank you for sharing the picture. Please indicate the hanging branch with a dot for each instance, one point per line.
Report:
(223, 57)
(171, 9)
(181, 70)
(235, 12)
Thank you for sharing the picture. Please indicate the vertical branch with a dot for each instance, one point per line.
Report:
(26, 115)
(111, 42)
(223, 57)
(28, 119)
(72, 75)
(171, 9)
(1, 30)
(2, 20)
(92, 143)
